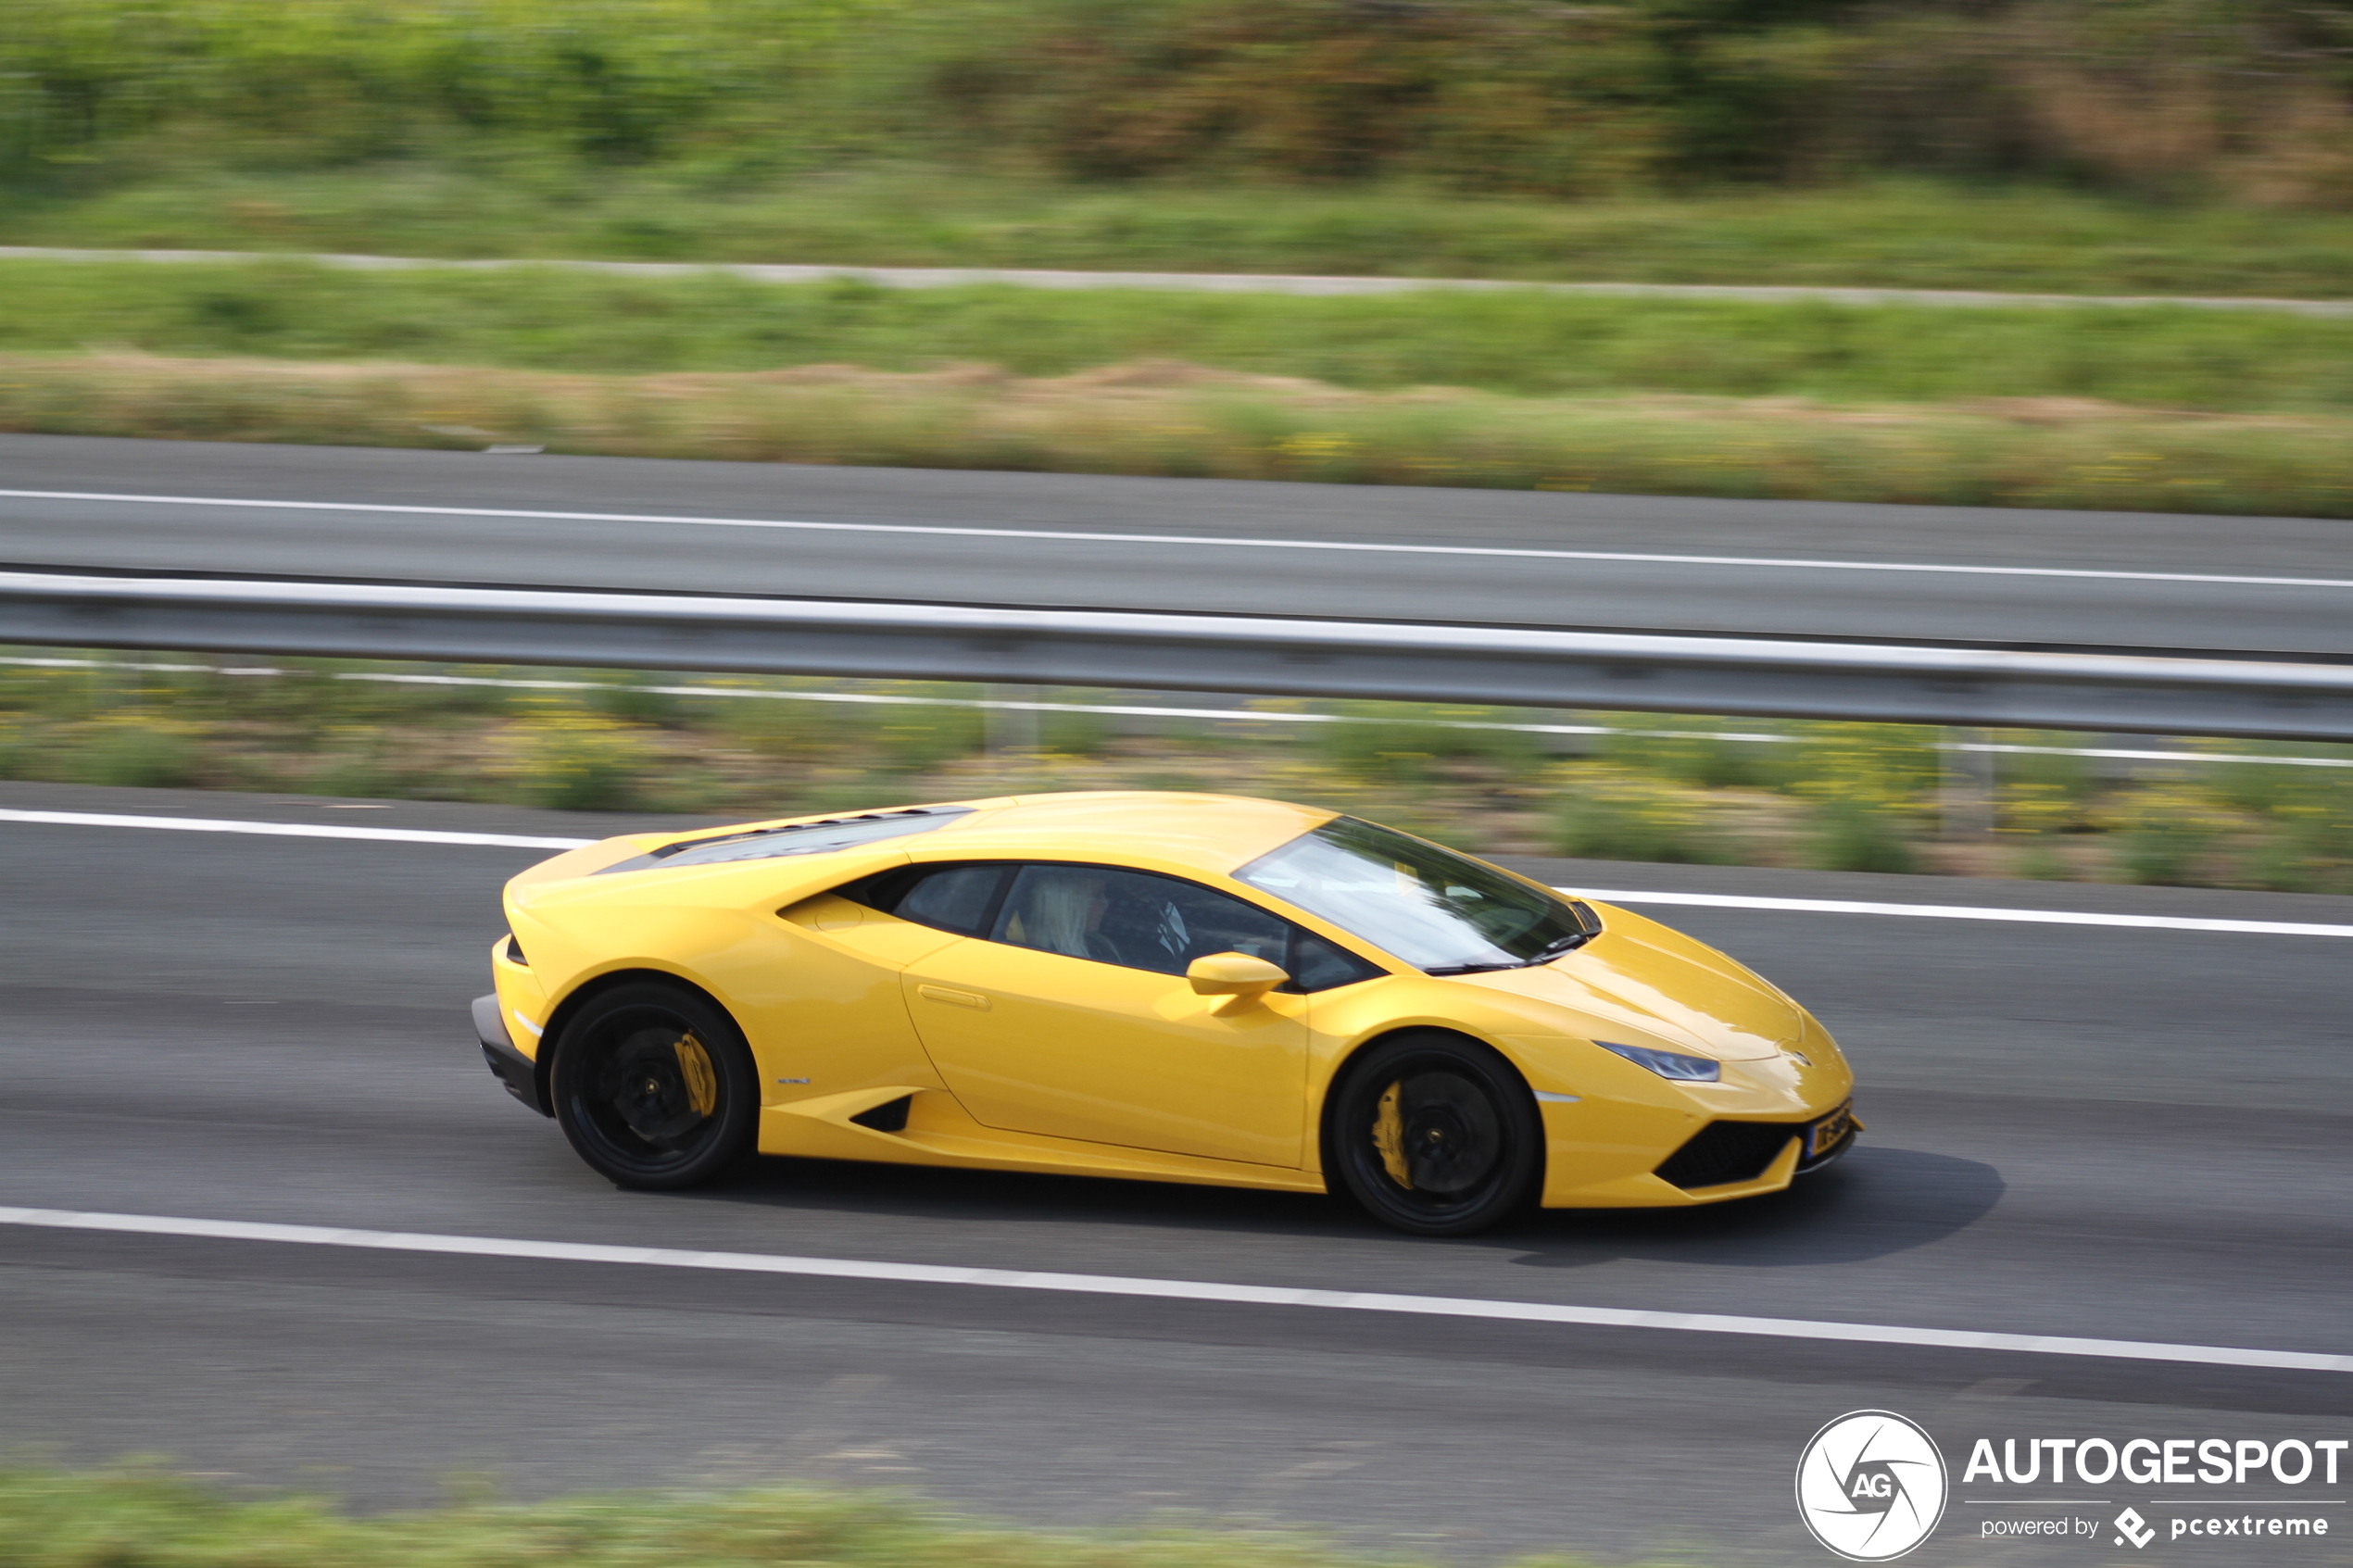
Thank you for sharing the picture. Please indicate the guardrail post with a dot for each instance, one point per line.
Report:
(1012, 731)
(1966, 783)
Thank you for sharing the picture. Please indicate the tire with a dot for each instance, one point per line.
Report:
(654, 1087)
(1434, 1135)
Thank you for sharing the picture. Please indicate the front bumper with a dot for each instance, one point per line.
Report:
(517, 1072)
(1612, 1163)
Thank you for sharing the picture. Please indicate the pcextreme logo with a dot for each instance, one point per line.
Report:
(1871, 1485)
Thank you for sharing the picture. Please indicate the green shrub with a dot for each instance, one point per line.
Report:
(776, 726)
(2040, 861)
(1694, 757)
(1605, 813)
(896, 740)
(1376, 750)
(450, 703)
(2163, 831)
(139, 750)
(631, 699)
(19, 748)
(574, 761)
(1399, 741)
(2041, 792)
(49, 693)
(2270, 788)
(1857, 835)
(2306, 847)
(1514, 753)
(365, 761)
(1073, 734)
(2059, 767)
(1887, 767)
(1569, 101)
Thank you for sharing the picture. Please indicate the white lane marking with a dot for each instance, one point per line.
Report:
(1169, 1289)
(1196, 540)
(1965, 911)
(2101, 751)
(1608, 895)
(1148, 710)
(288, 830)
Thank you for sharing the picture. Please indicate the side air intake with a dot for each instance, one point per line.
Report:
(890, 1116)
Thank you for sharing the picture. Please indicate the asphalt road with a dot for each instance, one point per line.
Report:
(1188, 570)
(2125, 1133)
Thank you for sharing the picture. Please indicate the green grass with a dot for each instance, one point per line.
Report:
(1518, 343)
(1179, 421)
(1834, 796)
(1913, 234)
(59, 1520)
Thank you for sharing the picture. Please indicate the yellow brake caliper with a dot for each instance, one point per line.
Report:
(702, 1081)
(1388, 1138)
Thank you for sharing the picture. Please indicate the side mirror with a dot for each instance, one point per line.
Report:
(1234, 974)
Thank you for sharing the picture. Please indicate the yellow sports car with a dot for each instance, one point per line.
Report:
(1170, 988)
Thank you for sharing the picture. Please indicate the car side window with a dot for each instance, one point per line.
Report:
(1319, 965)
(1132, 919)
(957, 898)
(1159, 923)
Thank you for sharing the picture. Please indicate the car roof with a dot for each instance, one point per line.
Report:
(1209, 834)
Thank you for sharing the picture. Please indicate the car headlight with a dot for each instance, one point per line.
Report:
(1669, 1064)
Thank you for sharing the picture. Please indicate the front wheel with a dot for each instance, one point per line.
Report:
(654, 1087)
(1435, 1134)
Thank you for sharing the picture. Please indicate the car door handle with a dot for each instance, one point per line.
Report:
(953, 999)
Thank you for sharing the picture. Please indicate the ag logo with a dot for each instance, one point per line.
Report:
(1870, 1485)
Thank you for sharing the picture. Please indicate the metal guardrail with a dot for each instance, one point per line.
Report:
(1521, 666)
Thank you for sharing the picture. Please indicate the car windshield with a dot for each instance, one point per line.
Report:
(1443, 913)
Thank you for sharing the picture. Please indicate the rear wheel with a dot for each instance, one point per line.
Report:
(1434, 1135)
(655, 1088)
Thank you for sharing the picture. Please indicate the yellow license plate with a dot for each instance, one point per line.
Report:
(1828, 1131)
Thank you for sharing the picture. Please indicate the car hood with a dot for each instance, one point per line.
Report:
(1660, 982)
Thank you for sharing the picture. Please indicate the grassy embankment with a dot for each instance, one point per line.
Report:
(2061, 144)
(1518, 345)
(2160, 410)
(1885, 233)
(130, 1519)
(2243, 101)
(1837, 797)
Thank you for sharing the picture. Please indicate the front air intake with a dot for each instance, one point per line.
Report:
(1724, 1152)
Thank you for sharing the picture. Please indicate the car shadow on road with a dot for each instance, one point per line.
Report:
(1874, 1202)
(1003, 1198)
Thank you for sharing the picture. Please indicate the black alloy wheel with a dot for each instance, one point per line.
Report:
(654, 1086)
(1434, 1134)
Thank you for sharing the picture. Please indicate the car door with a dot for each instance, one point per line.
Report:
(1071, 1017)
